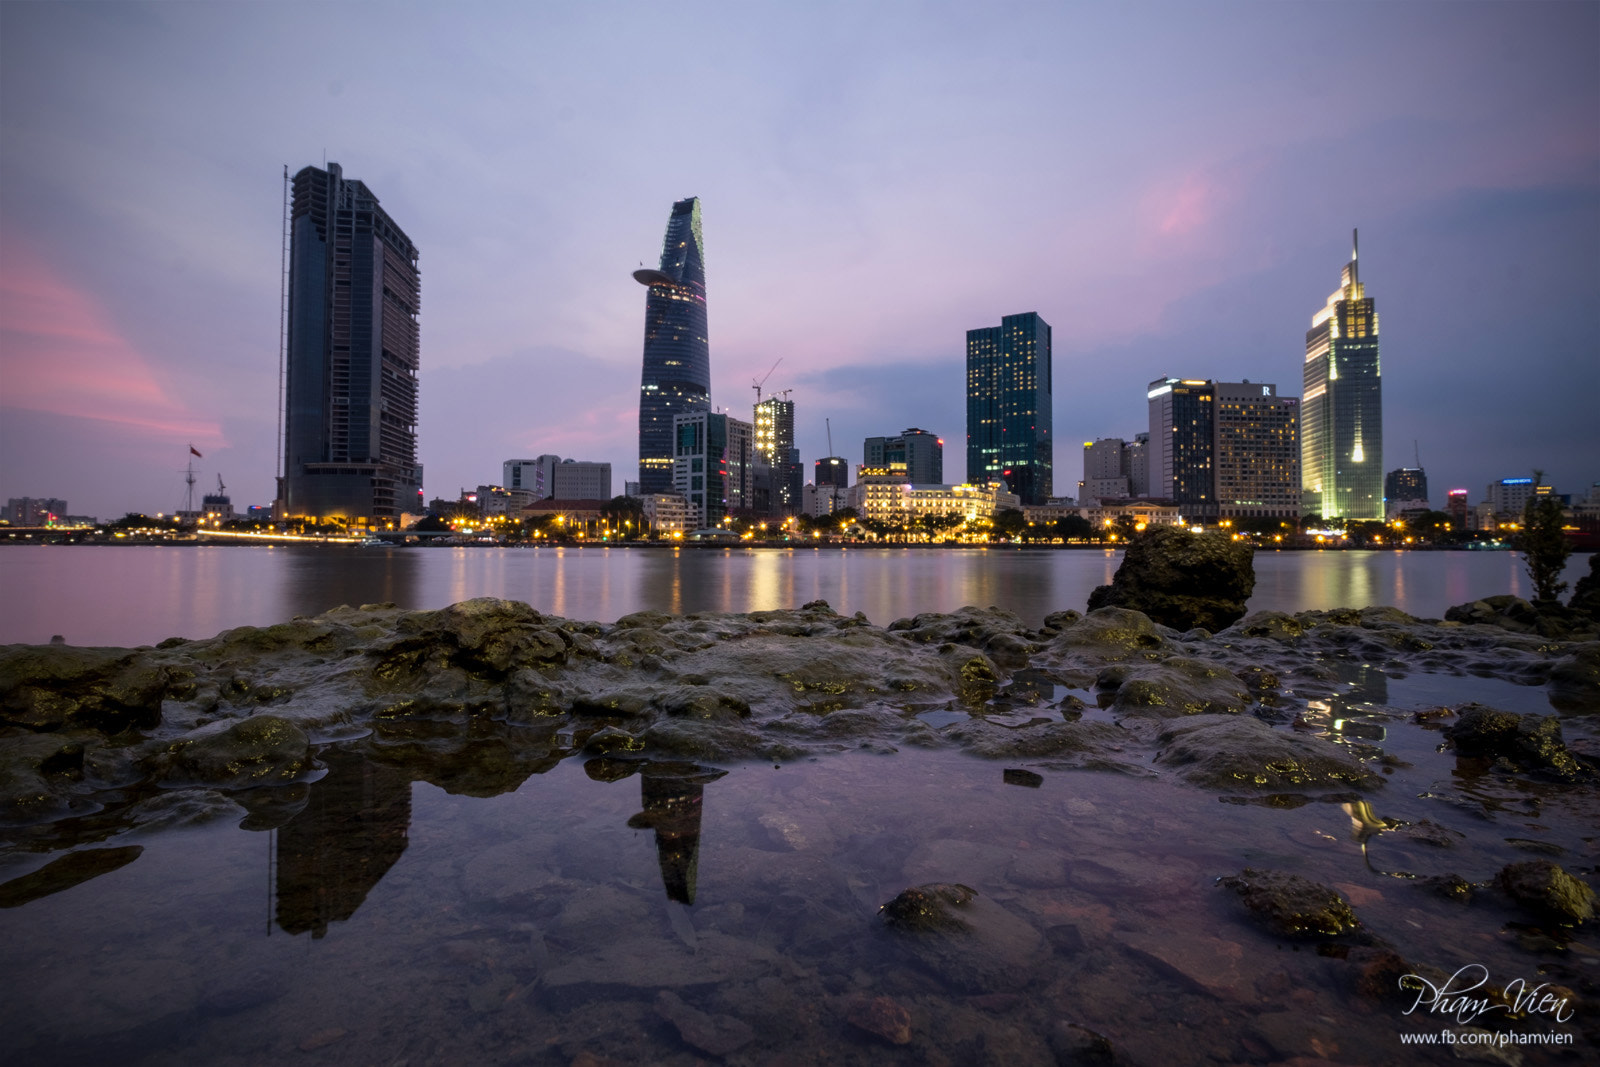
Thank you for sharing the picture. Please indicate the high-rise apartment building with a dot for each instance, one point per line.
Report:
(1342, 410)
(1405, 489)
(1224, 450)
(1256, 454)
(350, 407)
(1183, 444)
(1105, 472)
(712, 464)
(774, 441)
(832, 471)
(1009, 406)
(677, 356)
(922, 453)
(1407, 484)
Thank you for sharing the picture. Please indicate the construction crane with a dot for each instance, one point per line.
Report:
(757, 384)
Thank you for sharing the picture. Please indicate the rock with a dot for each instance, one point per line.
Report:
(1175, 686)
(882, 1017)
(970, 942)
(1529, 742)
(1018, 776)
(1586, 591)
(1216, 966)
(1276, 625)
(1089, 744)
(716, 1034)
(1107, 635)
(1574, 684)
(1545, 888)
(1547, 618)
(1291, 906)
(52, 687)
(260, 750)
(1075, 1044)
(1231, 753)
(1182, 580)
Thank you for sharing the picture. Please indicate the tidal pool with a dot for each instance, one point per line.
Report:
(427, 900)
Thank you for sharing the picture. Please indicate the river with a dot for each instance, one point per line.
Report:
(132, 595)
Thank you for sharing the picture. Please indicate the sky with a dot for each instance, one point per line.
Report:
(1171, 186)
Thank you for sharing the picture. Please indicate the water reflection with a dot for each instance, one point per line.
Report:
(320, 578)
(673, 795)
(351, 831)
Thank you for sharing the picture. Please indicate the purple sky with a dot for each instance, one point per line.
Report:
(1171, 187)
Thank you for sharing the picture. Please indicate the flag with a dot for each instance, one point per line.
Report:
(195, 451)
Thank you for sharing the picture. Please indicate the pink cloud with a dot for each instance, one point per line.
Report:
(61, 355)
(1190, 207)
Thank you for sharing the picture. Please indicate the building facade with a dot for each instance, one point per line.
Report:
(919, 451)
(552, 478)
(712, 465)
(677, 356)
(666, 514)
(774, 442)
(350, 400)
(1406, 484)
(35, 511)
(1009, 406)
(1105, 470)
(1224, 450)
(1256, 452)
(1182, 459)
(1341, 450)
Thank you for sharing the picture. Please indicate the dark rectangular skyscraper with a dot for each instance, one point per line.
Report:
(350, 409)
(677, 357)
(922, 453)
(1341, 413)
(1009, 408)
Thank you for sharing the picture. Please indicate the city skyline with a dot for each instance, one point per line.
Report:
(139, 313)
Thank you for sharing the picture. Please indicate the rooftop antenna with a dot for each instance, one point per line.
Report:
(756, 385)
(1416, 453)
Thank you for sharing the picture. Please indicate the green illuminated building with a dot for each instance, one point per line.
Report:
(1341, 412)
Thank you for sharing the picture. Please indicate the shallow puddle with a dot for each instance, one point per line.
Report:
(626, 910)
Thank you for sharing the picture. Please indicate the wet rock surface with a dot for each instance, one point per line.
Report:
(1292, 906)
(487, 692)
(1182, 580)
(1548, 890)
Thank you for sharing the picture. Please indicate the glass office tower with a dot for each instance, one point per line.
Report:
(350, 408)
(1341, 413)
(677, 356)
(1009, 409)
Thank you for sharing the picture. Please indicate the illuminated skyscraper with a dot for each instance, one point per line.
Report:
(1341, 413)
(350, 410)
(774, 425)
(1009, 410)
(677, 356)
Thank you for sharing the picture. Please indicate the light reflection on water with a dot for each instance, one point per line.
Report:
(436, 896)
(123, 595)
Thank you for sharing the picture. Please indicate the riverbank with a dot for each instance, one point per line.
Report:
(1138, 744)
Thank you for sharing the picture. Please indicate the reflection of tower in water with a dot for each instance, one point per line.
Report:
(672, 800)
(351, 831)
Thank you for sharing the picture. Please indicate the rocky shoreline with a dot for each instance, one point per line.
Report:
(508, 690)
(113, 745)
